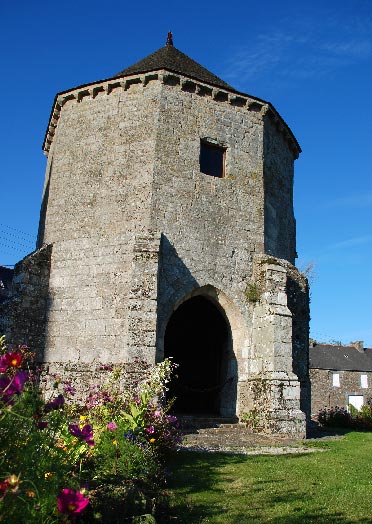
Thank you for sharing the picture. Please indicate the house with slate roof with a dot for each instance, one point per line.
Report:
(340, 375)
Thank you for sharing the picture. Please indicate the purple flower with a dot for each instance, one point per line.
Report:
(171, 419)
(85, 433)
(56, 403)
(69, 389)
(12, 386)
(111, 426)
(150, 430)
(42, 424)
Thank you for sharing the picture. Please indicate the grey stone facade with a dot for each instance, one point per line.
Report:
(133, 229)
(340, 375)
(325, 395)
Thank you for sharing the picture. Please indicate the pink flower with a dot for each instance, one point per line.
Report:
(85, 433)
(111, 426)
(71, 502)
(150, 430)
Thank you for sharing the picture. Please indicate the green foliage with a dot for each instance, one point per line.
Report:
(251, 419)
(252, 292)
(50, 449)
(33, 455)
(118, 459)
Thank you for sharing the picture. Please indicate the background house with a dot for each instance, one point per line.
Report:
(340, 375)
(6, 275)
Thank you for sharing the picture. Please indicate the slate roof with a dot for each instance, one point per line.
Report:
(340, 358)
(171, 59)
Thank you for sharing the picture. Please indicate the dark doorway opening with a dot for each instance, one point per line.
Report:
(197, 338)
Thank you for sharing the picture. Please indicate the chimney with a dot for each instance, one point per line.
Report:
(358, 345)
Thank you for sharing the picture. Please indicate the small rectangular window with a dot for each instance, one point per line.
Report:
(364, 381)
(212, 159)
(336, 380)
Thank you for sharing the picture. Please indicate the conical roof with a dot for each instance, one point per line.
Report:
(171, 59)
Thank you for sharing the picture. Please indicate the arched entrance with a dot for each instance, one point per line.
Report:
(197, 337)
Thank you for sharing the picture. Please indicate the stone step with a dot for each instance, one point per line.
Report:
(221, 433)
(195, 422)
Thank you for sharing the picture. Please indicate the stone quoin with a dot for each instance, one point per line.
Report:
(167, 229)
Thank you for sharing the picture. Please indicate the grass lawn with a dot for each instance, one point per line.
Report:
(330, 487)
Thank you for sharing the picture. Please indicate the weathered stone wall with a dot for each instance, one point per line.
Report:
(96, 206)
(101, 164)
(280, 226)
(325, 395)
(273, 388)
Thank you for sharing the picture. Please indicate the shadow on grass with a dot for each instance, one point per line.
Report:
(198, 481)
(319, 432)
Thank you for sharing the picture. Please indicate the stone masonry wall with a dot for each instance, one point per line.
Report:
(280, 226)
(96, 212)
(272, 388)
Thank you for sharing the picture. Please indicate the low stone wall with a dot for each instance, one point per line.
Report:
(24, 313)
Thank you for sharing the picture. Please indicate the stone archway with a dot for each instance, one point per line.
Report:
(198, 338)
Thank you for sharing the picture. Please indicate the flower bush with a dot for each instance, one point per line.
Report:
(343, 418)
(63, 462)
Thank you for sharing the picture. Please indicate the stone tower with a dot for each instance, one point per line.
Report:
(167, 229)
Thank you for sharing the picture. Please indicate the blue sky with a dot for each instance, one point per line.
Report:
(311, 60)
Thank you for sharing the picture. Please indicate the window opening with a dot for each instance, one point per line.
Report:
(212, 159)
(364, 381)
(336, 380)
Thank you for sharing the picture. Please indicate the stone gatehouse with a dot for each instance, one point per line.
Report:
(167, 229)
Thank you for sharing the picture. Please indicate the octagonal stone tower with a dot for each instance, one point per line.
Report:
(167, 229)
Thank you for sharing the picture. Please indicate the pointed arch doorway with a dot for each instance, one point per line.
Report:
(198, 338)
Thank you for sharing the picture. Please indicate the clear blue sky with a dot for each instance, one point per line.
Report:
(311, 60)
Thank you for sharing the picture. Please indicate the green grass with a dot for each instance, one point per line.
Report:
(330, 487)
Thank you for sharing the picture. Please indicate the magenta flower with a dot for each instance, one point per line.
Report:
(71, 502)
(85, 433)
(10, 386)
(11, 359)
(111, 426)
(150, 430)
